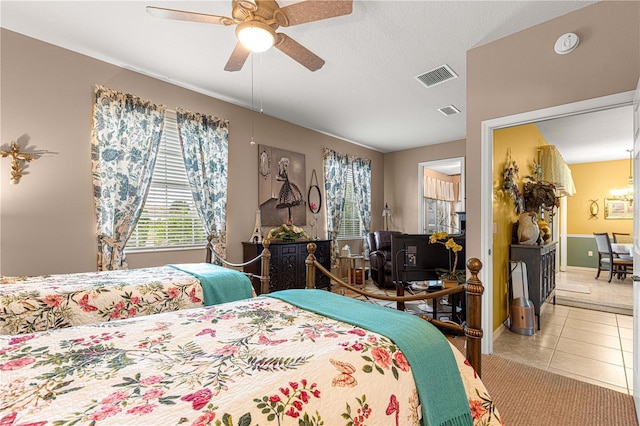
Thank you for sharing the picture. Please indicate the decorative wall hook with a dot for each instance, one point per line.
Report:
(594, 209)
(17, 158)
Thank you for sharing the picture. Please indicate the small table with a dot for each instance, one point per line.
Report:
(353, 269)
(456, 302)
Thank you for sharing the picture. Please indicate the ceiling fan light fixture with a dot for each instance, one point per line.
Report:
(256, 36)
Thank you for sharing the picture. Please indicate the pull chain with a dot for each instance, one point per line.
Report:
(252, 143)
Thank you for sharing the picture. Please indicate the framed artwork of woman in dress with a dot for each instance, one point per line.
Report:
(281, 183)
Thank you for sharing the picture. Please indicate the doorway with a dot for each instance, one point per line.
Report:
(441, 196)
(487, 129)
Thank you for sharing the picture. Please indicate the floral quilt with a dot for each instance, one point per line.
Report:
(254, 361)
(29, 304)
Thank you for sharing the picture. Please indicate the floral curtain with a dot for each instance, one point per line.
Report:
(362, 190)
(205, 146)
(335, 176)
(124, 143)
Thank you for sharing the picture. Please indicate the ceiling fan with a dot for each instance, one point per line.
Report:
(256, 24)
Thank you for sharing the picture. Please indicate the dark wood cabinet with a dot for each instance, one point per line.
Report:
(287, 268)
(541, 272)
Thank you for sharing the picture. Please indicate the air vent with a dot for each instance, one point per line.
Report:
(449, 110)
(437, 76)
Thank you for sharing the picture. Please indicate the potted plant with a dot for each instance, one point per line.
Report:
(540, 195)
(450, 276)
(287, 232)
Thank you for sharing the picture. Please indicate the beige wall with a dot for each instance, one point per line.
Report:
(47, 222)
(521, 73)
(401, 181)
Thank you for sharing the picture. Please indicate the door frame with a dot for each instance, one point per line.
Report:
(486, 203)
(636, 251)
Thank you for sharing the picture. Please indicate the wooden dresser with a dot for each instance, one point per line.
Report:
(287, 268)
(541, 272)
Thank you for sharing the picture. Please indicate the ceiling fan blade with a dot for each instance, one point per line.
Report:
(182, 15)
(299, 53)
(312, 10)
(238, 58)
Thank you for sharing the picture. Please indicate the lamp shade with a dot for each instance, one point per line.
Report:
(555, 170)
(256, 36)
(386, 212)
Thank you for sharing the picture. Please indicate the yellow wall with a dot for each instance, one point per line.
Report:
(593, 181)
(522, 141)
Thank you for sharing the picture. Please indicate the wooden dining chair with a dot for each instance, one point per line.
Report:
(608, 260)
(620, 237)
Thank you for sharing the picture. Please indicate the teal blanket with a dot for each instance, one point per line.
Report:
(219, 284)
(442, 395)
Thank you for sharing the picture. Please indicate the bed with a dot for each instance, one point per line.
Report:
(30, 304)
(39, 303)
(275, 359)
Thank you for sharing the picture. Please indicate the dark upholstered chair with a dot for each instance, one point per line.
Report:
(380, 259)
(608, 260)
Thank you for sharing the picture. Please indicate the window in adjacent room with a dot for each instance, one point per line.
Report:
(440, 217)
(350, 226)
(442, 191)
(169, 218)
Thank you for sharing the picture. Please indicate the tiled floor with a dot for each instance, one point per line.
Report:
(588, 345)
(615, 296)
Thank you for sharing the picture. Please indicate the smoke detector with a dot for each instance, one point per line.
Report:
(566, 43)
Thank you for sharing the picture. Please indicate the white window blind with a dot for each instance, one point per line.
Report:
(169, 217)
(350, 224)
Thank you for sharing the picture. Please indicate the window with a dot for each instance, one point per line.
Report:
(440, 218)
(169, 217)
(350, 226)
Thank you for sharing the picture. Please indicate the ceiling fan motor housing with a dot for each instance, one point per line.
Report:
(263, 11)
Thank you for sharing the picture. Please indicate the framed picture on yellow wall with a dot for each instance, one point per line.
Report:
(617, 209)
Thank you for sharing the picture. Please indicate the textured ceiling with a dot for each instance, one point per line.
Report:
(367, 91)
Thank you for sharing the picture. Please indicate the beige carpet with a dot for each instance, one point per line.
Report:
(527, 396)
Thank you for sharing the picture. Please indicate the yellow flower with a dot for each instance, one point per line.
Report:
(437, 236)
(449, 244)
(452, 245)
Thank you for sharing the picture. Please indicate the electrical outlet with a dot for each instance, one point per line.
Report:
(412, 252)
(589, 253)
